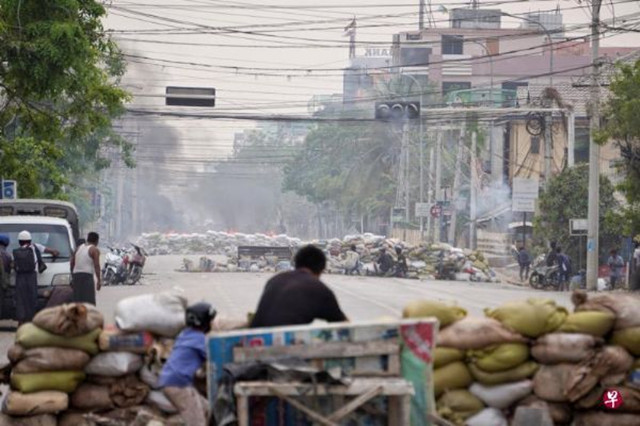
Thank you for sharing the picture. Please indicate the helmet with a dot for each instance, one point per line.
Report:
(200, 315)
(24, 236)
(4, 240)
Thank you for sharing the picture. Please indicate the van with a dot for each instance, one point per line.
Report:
(51, 223)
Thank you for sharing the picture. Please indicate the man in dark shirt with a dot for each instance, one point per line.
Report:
(385, 263)
(298, 297)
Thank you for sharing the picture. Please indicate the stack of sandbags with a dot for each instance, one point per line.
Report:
(49, 357)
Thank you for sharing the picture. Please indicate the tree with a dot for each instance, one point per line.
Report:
(622, 125)
(58, 86)
(565, 198)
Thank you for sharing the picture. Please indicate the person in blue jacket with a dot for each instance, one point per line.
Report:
(187, 356)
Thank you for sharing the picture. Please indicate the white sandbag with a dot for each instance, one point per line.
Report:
(162, 313)
(114, 364)
(161, 402)
(150, 377)
(487, 417)
(502, 396)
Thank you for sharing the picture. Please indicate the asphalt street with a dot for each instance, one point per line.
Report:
(361, 298)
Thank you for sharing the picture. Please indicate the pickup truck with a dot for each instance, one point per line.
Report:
(51, 223)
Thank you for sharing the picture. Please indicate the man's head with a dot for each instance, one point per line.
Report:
(4, 240)
(311, 258)
(24, 237)
(383, 250)
(353, 247)
(93, 238)
(521, 248)
(398, 249)
(614, 252)
(558, 249)
(199, 316)
(553, 245)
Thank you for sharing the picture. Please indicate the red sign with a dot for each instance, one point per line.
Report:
(436, 211)
(612, 399)
(419, 338)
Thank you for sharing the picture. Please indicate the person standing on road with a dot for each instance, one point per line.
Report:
(5, 267)
(85, 262)
(616, 264)
(564, 269)
(552, 257)
(352, 261)
(298, 297)
(524, 260)
(27, 261)
(401, 264)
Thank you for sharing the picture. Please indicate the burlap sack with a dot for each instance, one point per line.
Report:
(477, 333)
(38, 360)
(71, 320)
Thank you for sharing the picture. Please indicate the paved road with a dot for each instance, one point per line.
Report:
(362, 298)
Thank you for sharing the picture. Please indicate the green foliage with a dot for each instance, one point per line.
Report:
(566, 198)
(622, 114)
(58, 75)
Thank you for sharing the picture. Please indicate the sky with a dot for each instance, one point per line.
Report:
(271, 56)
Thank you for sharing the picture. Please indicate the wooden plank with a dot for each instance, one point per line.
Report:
(353, 405)
(390, 386)
(324, 350)
(394, 364)
(393, 415)
(405, 410)
(309, 412)
(243, 410)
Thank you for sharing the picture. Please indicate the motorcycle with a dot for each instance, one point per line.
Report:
(116, 266)
(545, 277)
(136, 264)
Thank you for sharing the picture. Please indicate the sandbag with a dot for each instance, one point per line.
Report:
(38, 420)
(38, 360)
(595, 323)
(63, 381)
(531, 318)
(453, 376)
(101, 380)
(502, 396)
(161, 402)
(446, 314)
(71, 418)
(560, 413)
(629, 339)
(600, 418)
(150, 375)
(444, 356)
(71, 320)
(112, 339)
(499, 357)
(556, 348)
(521, 372)
(458, 405)
(128, 391)
(30, 336)
(224, 323)
(477, 333)
(45, 402)
(92, 397)
(114, 364)
(550, 381)
(161, 313)
(625, 306)
(487, 417)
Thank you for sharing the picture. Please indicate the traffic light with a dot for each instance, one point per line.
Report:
(397, 110)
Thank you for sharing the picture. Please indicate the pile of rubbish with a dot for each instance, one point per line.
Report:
(68, 369)
(423, 260)
(536, 354)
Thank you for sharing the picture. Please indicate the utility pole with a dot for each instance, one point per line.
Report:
(473, 198)
(455, 190)
(421, 17)
(429, 192)
(594, 154)
(571, 138)
(438, 223)
(548, 148)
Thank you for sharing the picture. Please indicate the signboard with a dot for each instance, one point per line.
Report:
(423, 209)
(578, 226)
(398, 215)
(190, 96)
(436, 211)
(524, 196)
(9, 189)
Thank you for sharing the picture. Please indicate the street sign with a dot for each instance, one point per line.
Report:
(9, 189)
(423, 209)
(578, 226)
(398, 214)
(524, 195)
(436, 211)
(190, 96)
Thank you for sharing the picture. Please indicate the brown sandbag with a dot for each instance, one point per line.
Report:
(625, 306)
(477, 333)
(550, 381)
(70, 418)
(45, 402)
(556, 348)
(38, 420)
(15, 353)
(128, 391)
(601, 418)
(71, 320)
(92, 397)
(38, 360)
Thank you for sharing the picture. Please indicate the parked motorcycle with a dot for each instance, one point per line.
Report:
(116, 267)
(545, 277)
(137, 260)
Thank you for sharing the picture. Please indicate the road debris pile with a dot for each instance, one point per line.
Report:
(424, 261)
(574, 366)
(68, 369)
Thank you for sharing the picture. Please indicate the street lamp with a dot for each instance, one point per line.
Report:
(486, 50)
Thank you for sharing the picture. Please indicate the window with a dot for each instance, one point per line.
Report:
(450, 86)
(452, 44)
(535, 145)
(581, 151)
(52, 236)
